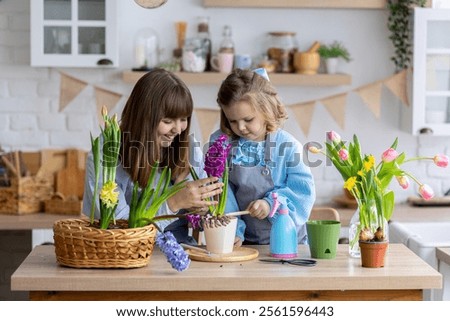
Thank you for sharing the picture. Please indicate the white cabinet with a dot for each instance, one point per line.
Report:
(431, 84)
(74, 33)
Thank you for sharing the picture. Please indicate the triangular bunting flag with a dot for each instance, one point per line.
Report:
(371, 95)
(304, 113)
(336, 107)
(397, 85)
(69, 88)
(207, 119)
(107, 98)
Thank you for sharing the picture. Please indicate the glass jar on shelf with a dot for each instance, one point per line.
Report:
(146, 50)
(194, 55)
(281, 48)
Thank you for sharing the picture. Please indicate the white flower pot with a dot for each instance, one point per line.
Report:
(332, 64)
(220, 240)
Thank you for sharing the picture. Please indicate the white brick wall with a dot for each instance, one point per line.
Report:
(30, 116)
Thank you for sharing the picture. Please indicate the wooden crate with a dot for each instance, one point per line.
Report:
(58, 205)
(26, 194)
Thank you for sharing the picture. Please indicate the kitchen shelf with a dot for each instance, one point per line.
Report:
(330, 4)
(215, 78)
(350, 4)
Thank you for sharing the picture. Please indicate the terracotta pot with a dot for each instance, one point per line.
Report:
(373, 253)
(220, 239)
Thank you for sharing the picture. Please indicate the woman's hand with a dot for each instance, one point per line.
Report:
(195, 194)
(259, 209)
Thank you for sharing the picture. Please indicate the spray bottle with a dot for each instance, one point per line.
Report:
(283, 234)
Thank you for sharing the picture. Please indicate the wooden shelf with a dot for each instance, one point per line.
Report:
(325, 4)
(215, 78)
(332, 4)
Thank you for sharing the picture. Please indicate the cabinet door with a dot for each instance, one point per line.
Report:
(73, 33)
(431, 85)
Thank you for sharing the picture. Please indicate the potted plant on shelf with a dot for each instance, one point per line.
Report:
(331, 54)
(400, 30)
(220, 229)
(369, 183)
(111, 243)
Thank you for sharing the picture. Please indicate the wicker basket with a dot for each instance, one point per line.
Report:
(80, 245)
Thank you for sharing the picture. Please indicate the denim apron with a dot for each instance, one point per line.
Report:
(252, 183)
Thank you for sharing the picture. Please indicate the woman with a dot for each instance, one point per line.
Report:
(155, 127)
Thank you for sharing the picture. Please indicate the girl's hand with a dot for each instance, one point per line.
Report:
(259, 209)
(195, 194)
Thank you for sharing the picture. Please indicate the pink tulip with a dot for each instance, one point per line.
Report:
(343, 154)
(389, 155)
(426, 192)
(441, 160)
(334, 137)
(403, 181)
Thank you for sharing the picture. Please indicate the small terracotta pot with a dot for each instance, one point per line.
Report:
(373, 253)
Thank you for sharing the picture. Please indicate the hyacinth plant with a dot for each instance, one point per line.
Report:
(109, 196)
(368, 181)
(144, 204)
(216, 165)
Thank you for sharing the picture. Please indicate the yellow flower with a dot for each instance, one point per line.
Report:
(361, 173)
(369, 163)
(350, 183)
(108, 195)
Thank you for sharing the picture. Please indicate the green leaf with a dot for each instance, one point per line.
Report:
(96, 158)
(388, 204)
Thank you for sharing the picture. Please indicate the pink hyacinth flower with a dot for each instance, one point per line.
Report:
(343, 154)
(334, 137)
(441, 160)
(389, 155)
(403, 181)
(426, 192)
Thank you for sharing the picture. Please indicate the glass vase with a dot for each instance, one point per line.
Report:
(370, 211)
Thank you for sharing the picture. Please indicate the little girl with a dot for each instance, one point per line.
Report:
(264, 159)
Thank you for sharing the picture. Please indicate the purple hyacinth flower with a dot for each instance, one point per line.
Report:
(194, 219)
(216, 156)
(175, 254)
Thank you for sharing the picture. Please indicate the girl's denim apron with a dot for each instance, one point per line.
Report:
(251, 183)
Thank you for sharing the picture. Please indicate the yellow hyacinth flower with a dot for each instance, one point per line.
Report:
(350, 183)
(108, 195)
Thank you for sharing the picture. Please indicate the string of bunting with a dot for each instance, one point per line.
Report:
(208, 118)
(336, 104)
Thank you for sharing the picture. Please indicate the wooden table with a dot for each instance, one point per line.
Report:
(404, 277)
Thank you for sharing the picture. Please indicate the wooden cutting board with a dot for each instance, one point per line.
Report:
(70, 180)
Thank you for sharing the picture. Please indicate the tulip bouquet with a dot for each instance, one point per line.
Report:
(368, 181)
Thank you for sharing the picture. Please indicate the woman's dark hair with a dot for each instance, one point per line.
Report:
(248, 86)
(157, 95)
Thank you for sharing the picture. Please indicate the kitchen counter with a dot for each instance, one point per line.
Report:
(32, 221)
(402, 212)
(404, 277)
(406, 213)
